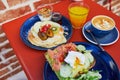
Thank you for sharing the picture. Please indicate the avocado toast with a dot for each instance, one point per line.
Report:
(72, 62)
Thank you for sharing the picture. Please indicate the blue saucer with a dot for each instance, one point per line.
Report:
(109, 39)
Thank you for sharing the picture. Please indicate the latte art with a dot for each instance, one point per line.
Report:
(103, 23)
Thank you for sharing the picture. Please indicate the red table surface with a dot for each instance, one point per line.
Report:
(33, 60)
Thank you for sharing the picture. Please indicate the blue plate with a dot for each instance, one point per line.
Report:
(109, 39)
(104, 63)
(32, 20)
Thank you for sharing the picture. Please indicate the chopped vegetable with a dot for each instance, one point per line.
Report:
(45, 28)
(55, 29)
(50, 33)
(81, 48)
(65, 70)
(42, 35)
(91, 75)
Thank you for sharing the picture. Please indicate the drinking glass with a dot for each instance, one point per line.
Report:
(45, 12)
(78, 12)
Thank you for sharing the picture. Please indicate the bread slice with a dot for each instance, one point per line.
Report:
(56, 60)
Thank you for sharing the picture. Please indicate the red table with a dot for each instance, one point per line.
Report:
(32, 60)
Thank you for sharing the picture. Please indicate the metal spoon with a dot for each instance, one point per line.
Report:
(89, 31)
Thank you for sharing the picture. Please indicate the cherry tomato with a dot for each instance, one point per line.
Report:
(45, 28)
(61, 59)
(48, 26)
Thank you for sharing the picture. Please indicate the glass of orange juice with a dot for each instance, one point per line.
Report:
(78, 12)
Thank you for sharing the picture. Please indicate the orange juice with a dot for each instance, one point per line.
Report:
(78, 15)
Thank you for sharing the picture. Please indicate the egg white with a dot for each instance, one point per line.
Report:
(72, 56)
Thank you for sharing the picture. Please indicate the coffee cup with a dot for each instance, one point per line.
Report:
(102, 25)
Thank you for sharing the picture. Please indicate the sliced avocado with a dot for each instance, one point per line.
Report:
(76, 71)
(81, 48)
(89, 57)
(65, 70)
(87, 62)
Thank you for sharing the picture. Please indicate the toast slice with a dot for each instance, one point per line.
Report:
(70, 61)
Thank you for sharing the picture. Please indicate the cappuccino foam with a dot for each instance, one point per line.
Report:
(103, 23)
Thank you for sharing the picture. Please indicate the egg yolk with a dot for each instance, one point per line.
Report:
(77, 62)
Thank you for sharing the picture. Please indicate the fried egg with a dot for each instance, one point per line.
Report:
(75, 58)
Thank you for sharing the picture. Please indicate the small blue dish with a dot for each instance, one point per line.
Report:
(108, 39)
(32, 20)
(104, 63)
